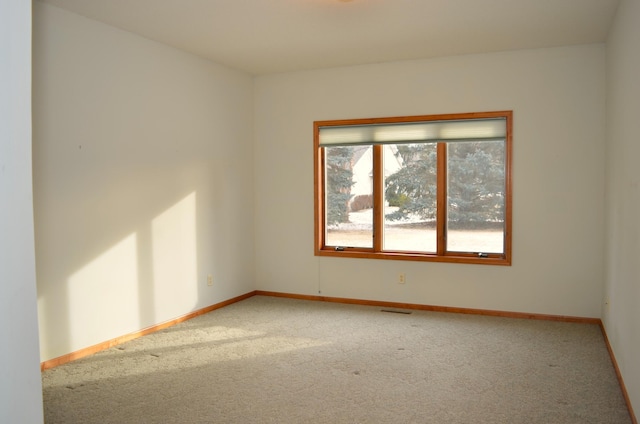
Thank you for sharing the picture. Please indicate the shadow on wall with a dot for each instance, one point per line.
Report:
(117, 252)
(106, 277)
(141, 165)
(147, 271)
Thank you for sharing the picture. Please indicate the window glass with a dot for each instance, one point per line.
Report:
(349, 196)
(475, 196)
(433, 188)
(410, 189)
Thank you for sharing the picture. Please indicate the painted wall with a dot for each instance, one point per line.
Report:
(621, 316)
(143, 181)
(558, 99)
(20, 383)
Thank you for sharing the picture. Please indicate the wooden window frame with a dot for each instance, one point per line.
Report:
(441, 255)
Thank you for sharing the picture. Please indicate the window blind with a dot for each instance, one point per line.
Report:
(485, 129)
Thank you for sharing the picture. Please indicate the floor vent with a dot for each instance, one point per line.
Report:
(395, 312)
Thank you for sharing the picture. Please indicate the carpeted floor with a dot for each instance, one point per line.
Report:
(274, 360)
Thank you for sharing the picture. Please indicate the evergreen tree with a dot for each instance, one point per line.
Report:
(475, 187)
(476, 182)
(339, 174)
(413, 187)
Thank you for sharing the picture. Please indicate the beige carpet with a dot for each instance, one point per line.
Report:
(273, 360)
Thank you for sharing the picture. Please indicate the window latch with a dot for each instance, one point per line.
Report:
(339, 249)
(483, 255)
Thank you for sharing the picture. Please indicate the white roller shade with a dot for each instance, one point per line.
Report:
(415, 132)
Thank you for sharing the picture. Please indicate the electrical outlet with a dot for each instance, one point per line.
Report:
(401, 278)
(209, 280)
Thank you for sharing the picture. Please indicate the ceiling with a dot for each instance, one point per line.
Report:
(268, 36)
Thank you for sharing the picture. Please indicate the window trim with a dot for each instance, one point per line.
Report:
(376, 252)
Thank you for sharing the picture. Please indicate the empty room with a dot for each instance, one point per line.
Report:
(319, 210)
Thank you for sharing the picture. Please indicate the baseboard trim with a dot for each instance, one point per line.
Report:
(488, 312)
(399, 305)
(119, 340)
(625, 394)
(416, 306)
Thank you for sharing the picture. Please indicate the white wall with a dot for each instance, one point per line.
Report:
(143, 161)
(143, 181)
(20, 384)
(558, 99)
(622, 277)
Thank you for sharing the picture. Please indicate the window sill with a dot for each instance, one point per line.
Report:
(412, 256)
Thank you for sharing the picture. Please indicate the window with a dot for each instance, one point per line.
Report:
(433, 188)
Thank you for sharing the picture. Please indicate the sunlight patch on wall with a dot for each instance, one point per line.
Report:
(174, 252)
(104, 293)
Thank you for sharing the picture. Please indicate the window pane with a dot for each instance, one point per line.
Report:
(349, 196)
(476, 196)
(410, 197)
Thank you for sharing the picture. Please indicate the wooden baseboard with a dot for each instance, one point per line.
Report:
(118, 340)
(415, 306)
(625, 394)
(522, 315)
